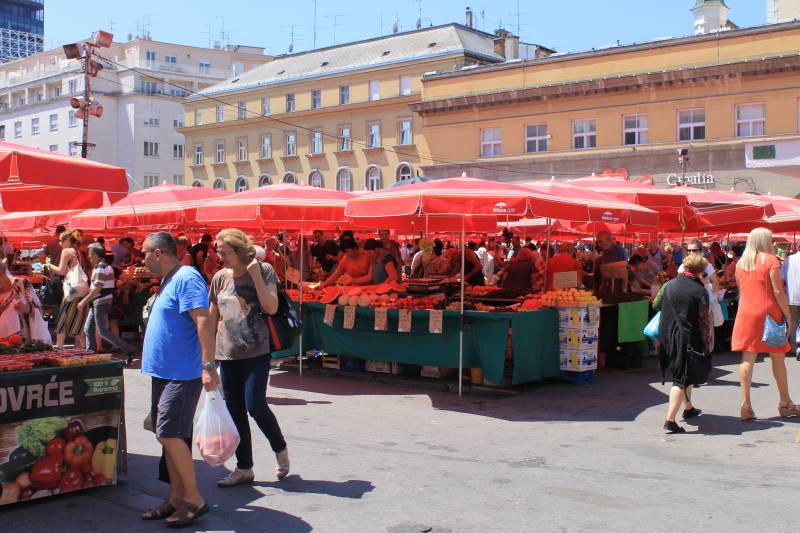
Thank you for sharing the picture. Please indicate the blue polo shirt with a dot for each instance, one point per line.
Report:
(171, 345)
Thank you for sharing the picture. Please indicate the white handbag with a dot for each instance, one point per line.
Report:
(76, 283)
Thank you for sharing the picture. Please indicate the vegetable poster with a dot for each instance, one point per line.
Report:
(58, 430)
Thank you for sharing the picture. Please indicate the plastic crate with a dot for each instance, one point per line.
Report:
(578, 378)
(351, 364)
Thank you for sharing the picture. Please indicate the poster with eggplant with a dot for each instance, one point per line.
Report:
(58, 430)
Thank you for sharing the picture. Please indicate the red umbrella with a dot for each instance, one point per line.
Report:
(34, 220)
(280, 206)
(164, 206)
(34, 179)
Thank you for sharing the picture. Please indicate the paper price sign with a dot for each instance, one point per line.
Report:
(330, 311)
(293, 275)
(380, 319)
(349, 317)
(404, 323)
(435, 321)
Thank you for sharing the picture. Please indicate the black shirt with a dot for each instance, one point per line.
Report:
(320, 251)
(199, 247)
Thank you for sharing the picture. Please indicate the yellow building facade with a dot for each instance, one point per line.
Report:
(731, 98)
(338, 117)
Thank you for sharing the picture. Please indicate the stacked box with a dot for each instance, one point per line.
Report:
(331, 361)
(578, 334)
(438, 372)
(381, 367)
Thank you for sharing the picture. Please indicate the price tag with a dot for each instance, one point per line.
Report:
(435, 321)
(349, 316)
(293, 275)
(404, 323)
(380, 319)
(330, 311)
(565, 280)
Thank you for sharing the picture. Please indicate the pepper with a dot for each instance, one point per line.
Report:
(55, 446)
(78, 452)
(74, 430)
(46, 472)
(71, 480)
(104, 460)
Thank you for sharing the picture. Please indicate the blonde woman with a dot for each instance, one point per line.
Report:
(241, 292)
(761, 292)
(71, 316)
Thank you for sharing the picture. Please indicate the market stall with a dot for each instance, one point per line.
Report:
(61, 420)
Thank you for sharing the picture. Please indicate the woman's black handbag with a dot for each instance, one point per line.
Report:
(52, 292)
(284, 326)
(698, 367)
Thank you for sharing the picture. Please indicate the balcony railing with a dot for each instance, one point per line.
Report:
(13, 78)
(177, 68)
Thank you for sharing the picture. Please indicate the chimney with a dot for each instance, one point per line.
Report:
(710, 16)
(506, 44)
(469, 18)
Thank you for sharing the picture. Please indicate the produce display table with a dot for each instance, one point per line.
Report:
(534, 339)
(59, 429)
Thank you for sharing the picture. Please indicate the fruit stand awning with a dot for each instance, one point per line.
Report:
(32, 179)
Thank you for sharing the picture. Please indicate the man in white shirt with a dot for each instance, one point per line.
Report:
(790, 272)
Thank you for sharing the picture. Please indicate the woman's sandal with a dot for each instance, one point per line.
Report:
(185, 515)
(161, 512)
(788, 409)
(282, 466)
(747, 413)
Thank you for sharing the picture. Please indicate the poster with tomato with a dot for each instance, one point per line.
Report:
(59, 430)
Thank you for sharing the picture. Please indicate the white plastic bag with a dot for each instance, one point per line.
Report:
(217, 437)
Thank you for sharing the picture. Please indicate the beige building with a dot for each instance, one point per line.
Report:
(335, 117)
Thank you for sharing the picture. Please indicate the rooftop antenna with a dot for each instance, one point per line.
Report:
(223, 35)
(483, 19)
(334, 25)
(517, 14)
(314, 37)
(293, 35)
(419, 13)
(111, 25)
(147, 23)
(208, 33)
(396, 25)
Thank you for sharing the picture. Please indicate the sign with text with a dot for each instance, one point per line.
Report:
(404, 321)
(349, 317)
(565, 280)
(435, 321)
(293, 275)
(381, 316)
(330, 312)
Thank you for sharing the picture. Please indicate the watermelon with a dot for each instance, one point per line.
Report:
(329, 295)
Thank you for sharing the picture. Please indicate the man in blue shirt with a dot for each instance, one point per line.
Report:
(178, 355)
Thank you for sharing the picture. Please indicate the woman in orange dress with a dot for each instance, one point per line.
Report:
(355, 266)
(760, 292)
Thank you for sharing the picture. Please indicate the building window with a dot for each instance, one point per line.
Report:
(266, 147)
(291, 145)
(491, 142)
(373, 178)
(264, 180)
(289, 177)
(219, 184)
(242, 110)
(177, 123)
(405, 132)
(290, 102)
(536, 138)
(691, 124)
(634, 130)
(150, 149)
(265, 105)
(73, 148)
(241, 152)
(3, 132)
(374, 135)
(198, 117)
(149, 87)
(34, 126)
(220, 113)
(344, 139)
(54, 148)
(219, 153)
(72, 86)
(178, 93)
(170, 60)
(198, 154)
(316, 99)
(315, 179)
(150, 180)
(72, 120)
(54, 122)
(56, 91)
(151, 119)
(584, 134)
(204, 66)
(404, 172)
(177, 151)
(177, 179)
(238, 68)
(374, 90)
(150, 55)
(750, 120)
(405, 85)
(17, 130)
(197, 184)
(316, 142)
(344, 94)
(344, 180)
(241, 184)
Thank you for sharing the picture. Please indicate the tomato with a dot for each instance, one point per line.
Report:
(56, 446)
(46, 472)
(74, 429)
(71, 480)
(78, 452)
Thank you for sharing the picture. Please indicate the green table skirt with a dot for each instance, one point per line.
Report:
(534, 334)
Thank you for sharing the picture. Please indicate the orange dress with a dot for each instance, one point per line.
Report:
(756, 299)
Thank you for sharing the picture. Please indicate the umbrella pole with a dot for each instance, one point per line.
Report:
(547, 255)
(461, 321)
(300, 305)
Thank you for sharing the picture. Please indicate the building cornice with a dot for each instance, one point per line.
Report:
(628, 82)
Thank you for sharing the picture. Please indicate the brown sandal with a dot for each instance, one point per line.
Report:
(161, 512)
(186, 514)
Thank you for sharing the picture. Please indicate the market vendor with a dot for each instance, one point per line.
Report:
(325, 251)
(9, 316)
(521, 274)
(473, 270)
(355, 267)
(613, 263)
(384, 264)
(564, 262)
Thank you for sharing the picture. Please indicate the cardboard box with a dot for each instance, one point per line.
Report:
(381, 367)
(578, 339)
(331, 361)
(579, 317)
(578, 360)
(438, 372)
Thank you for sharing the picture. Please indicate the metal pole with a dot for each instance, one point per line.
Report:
(300, 305)
(461, 321)
(547, 255)
(87, 95)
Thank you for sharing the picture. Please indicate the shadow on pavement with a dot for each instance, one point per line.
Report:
(710, 424)
(352, 488)
(295, 401)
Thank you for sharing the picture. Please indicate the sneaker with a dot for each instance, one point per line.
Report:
(237, 477)
(691, 413)
(673, 427)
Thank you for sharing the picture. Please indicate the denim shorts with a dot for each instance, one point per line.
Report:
(172, 407)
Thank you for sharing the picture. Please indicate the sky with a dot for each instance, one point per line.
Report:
(564, 25)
